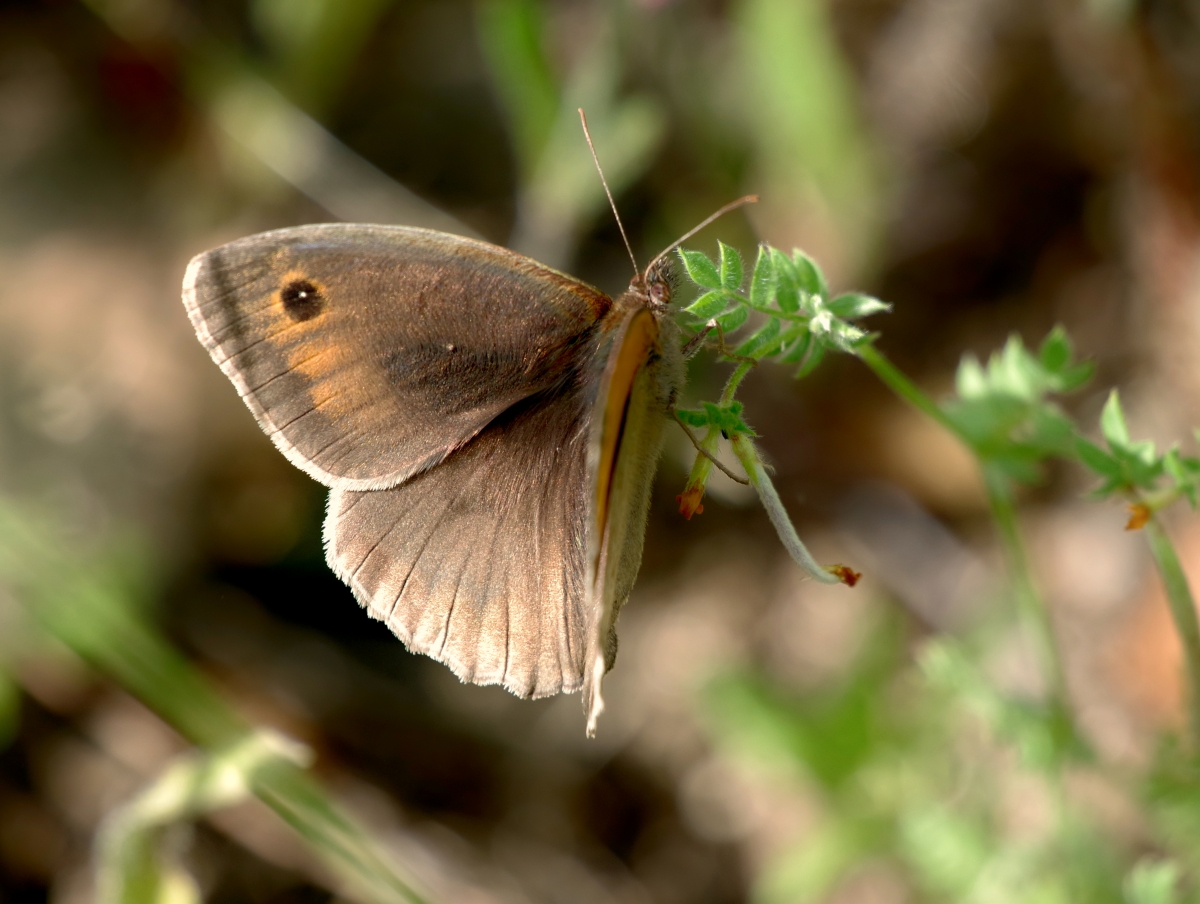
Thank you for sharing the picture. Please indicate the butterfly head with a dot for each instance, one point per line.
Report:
(655, 286)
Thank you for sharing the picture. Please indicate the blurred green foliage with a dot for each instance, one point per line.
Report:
(511, 33)
(10, 709)
(314, 44)
(800, 103)
(918, 757)
(559, 193)
(849, 739)
(1004, 411)
(94, 603)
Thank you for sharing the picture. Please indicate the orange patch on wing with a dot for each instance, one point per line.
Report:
(311, 350)
(636, 344)
(330, 385)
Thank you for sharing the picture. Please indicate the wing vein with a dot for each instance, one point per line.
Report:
(491, 567)
(292, 367)
(374, 546)
(424, 546)
(266, 337)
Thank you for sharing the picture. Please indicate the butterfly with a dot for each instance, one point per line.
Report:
(488, 427)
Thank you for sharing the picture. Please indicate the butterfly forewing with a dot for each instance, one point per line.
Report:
(369, 353)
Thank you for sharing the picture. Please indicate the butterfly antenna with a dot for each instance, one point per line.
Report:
(611, 203)
(732, 205)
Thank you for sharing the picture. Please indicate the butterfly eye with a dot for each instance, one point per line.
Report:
(659, 289)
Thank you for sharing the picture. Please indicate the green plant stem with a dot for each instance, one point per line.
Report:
(1158, 500)
(999, 489)
(1030, 605)
(133, 862)
(150, 670)
(734, 381)
(905, 388)
(1183, 611)
(744, 448)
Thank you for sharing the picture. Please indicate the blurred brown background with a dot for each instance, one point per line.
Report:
(985, 166)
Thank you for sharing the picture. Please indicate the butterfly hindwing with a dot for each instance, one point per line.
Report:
(369, 353)
(480, 562)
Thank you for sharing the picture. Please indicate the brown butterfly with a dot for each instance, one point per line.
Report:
(489, 429)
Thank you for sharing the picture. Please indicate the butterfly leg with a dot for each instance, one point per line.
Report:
(694, 345)
(699, 448)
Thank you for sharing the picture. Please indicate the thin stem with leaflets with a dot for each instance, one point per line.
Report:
(999, 489)
(1030, 604)
(897, 382)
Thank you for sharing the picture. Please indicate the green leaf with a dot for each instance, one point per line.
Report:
(869, 337)
(1140, 466)
(1055, 359)
(815, 354)
(786, 282)
(1074, 376)
(1018, 464)
(734, 318)
(1055, 352)
(853, 305)
(761, 337)
(1173, 465)
(987, 420)
(1004, 412)
(727, 418)
(731, 267)
(1112, 423)
(1097, 459)
(970, 382)
(700, 269)
(1016, 371)
(1107, 488)
(1180, 470)
(796, 350)
(691, 417)
(709, 305)
(1138, 455)
(1051, 431)
(762, 279)
(787, 297)
(786, 341)
(846, 336)
(809, 275)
